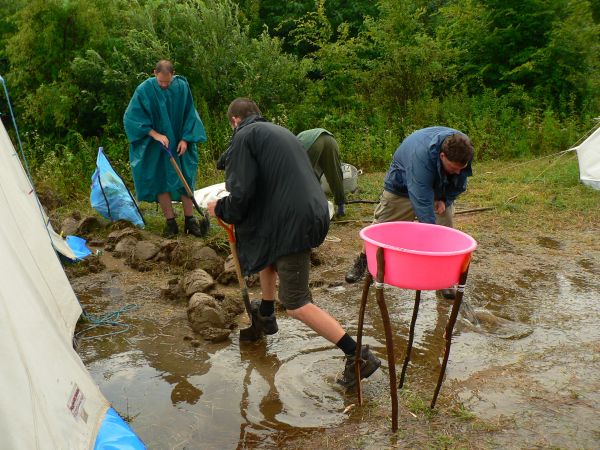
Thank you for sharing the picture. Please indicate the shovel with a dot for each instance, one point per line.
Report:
(252, 333)
(205, 224)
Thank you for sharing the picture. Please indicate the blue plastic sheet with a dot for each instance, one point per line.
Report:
(109, 195)
(115, 434)
(78, 246)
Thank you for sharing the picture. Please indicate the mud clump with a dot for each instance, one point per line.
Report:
(91, 264)
(208, 318)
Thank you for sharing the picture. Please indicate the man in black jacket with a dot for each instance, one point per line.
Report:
(280, 212)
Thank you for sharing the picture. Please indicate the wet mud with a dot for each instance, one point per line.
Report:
(524, 359)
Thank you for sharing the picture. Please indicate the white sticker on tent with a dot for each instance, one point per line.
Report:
(75, 403)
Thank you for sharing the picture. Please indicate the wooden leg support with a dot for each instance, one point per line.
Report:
(389, 342)
(361, 321)
(411, 337)
(448, 332)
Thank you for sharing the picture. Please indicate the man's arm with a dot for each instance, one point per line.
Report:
(241, 173)
(419, 182)
(160, 138)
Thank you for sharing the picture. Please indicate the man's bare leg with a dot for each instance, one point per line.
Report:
(319, 321)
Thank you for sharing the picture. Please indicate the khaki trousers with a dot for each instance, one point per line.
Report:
(392, 207)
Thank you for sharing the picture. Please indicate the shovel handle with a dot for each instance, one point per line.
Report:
(232, 245)
(229, 229)
(182, 178)
(179, 173)
(238, 270)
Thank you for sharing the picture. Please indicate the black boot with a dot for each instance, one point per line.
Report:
(369, 364)
(358, 269)
(266, 324)
(171, 229)
(194, 227)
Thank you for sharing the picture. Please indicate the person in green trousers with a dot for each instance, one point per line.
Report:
(323, 152)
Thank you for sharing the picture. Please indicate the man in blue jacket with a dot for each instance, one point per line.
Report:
(428, 172)
(280, 212)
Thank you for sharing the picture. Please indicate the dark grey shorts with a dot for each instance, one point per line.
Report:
(293, 271)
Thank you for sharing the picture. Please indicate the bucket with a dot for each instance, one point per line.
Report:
(418, 256)
(349, 179)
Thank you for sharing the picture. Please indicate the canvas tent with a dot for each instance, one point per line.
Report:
(588, 155)
(48, 400)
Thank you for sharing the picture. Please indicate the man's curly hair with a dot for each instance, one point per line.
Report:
(458, 148)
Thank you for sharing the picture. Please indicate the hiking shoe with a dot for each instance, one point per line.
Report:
(171, 229)
(448, 294)
(195, 228)
(266, 324)
(358, 269)
(369, 364)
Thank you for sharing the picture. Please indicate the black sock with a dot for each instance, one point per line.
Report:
(267, 307)
(347, 345)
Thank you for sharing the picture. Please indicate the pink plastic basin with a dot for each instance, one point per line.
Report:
(418, 256)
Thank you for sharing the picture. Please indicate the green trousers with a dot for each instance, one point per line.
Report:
(325, 159)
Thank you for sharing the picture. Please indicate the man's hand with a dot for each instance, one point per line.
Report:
(159, 138)
(440, 206)
(211, 208)
(182, 147)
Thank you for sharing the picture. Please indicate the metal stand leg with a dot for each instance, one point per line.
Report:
(449, 329)
(389, 342)
(411, 337)
(361, 320)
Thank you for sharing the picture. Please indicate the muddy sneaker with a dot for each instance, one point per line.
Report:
(171, 229)
(369, 364)
(358, 269)
(195, 228)
(266, 324)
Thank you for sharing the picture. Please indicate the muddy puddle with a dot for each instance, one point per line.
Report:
(529, 364)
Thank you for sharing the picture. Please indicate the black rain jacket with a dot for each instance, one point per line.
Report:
(276, 203)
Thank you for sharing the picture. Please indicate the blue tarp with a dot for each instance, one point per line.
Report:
(115, 434)
(78, 246)
(109, 195)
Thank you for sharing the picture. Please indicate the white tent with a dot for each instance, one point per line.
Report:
(48, 400)
(588, 154)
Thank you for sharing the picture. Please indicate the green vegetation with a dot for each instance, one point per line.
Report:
(521, 78)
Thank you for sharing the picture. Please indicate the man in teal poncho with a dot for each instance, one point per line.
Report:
(162, 113)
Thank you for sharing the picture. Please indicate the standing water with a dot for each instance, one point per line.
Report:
(532, 360)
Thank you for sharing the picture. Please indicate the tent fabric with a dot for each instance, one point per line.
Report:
(10, 162)
(48, 400)
(588, 155)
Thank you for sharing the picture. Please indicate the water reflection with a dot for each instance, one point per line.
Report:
(227, 396)
(260, 403)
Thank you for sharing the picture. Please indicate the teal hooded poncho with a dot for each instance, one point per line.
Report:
(170, 112)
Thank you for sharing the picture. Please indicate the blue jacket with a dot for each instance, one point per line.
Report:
(416, 172)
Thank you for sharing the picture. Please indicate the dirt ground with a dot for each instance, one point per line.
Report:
(522, 374)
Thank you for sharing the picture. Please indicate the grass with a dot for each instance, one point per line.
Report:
(540, 193)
